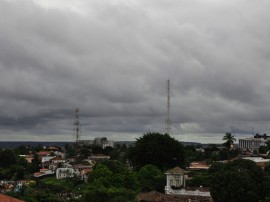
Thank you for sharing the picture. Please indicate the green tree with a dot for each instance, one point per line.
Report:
(97, 149)
(229, 138)
(21, 150)
(157, 149)
(113, 174)
(263, 149)
(151, 178)
(111, 181)
(200, 178)
(266, 182)
(238, 181)
(7, 158)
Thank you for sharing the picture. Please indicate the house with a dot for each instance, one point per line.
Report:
(84, 173)
(99, 157)
(71, 160)
(28, 158)
(198, 165)
(81, 167)
(62, 173)
(57, 160)
(20, 184)
(51, 148)
(176, 184)
(5, 198)
(43, 172)
(45, 160)
(6, 186)
(61, 154)
(43, 153)
(175, 179)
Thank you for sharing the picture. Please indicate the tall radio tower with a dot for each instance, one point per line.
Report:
(77, 125)
(168, 124)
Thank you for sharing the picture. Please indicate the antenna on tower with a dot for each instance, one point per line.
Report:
(77, 125)
(168, 124)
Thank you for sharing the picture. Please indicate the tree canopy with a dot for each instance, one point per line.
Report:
(238, 181)
(151, 178)
(111, 181)
(160, 150)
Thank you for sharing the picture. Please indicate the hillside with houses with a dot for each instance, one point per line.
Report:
(155, 168)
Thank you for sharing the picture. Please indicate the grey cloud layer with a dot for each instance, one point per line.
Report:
(112, 59)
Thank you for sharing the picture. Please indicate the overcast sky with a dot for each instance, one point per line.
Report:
(111, 59)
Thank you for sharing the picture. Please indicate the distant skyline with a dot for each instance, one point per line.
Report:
(111, 59)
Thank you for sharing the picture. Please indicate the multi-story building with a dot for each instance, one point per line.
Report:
(253, 143)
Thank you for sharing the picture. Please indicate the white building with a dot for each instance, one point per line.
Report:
(176, 183)
(252, 143)
(62, 173)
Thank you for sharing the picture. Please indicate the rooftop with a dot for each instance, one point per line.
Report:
(176, 170)
(155, 196)
(5, 198)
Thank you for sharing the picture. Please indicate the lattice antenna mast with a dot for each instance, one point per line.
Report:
(77, 125)
(168, 124)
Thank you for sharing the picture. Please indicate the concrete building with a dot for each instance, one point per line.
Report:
(98, 157)
(62, 173)
(251, 143)
(176, 184)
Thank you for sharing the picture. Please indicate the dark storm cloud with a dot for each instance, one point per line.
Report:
(112, 60)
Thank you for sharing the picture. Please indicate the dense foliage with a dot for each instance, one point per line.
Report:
(151, 178)
(238, 181)
(112, 181)
(13, 167)
(157, 149)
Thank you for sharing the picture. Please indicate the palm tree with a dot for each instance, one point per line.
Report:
(229, 140)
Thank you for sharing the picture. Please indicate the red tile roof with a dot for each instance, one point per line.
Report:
(176, 170)
(155, 196)
(5, 198)
(57, 159)
(43, 153)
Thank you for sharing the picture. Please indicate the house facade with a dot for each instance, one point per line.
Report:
(176, 184)
(62, 173)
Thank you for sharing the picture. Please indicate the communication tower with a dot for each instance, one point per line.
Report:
(168, 123)
(77, 125)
